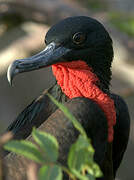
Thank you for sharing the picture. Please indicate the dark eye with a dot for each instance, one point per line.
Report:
(79, 38)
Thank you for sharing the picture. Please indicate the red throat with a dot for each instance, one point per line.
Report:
(76, 79)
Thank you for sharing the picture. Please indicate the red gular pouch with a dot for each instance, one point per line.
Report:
(77, 79)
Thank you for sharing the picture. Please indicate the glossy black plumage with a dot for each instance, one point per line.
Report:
(96, 50)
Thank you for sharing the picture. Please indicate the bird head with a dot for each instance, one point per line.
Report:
(72, 39)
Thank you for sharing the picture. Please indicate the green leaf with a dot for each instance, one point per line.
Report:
(52, 172)
(97, 171)
(81, 158)
(48, 144)
(26, 149)
(79, 175)
(90, 177)
(80, 154)
(69, 115)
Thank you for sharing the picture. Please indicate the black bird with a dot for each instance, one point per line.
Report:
(80, 52)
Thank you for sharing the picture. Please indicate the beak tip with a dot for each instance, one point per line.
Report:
(9, 77)
(11, 72)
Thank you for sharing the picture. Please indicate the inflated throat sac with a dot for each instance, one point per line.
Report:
(76, 79)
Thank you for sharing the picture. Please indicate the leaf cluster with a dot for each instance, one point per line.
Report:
(123, 22)
(45, 151)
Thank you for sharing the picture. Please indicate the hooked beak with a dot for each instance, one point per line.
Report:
(52, 54)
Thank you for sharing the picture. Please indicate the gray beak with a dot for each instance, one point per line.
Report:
(52, 54)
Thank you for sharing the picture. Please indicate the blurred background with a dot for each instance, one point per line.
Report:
(23, 25)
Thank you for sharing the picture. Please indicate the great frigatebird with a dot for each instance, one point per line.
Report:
(80, 52)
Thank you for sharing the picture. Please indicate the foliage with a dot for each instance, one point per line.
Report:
(123, 22)
(95, 5)
(80, 158)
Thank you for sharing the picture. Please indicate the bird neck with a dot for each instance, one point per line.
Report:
(100, 61)
(77, 79)
(104, 75)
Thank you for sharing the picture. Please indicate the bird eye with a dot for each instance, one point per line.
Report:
(79, 38)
